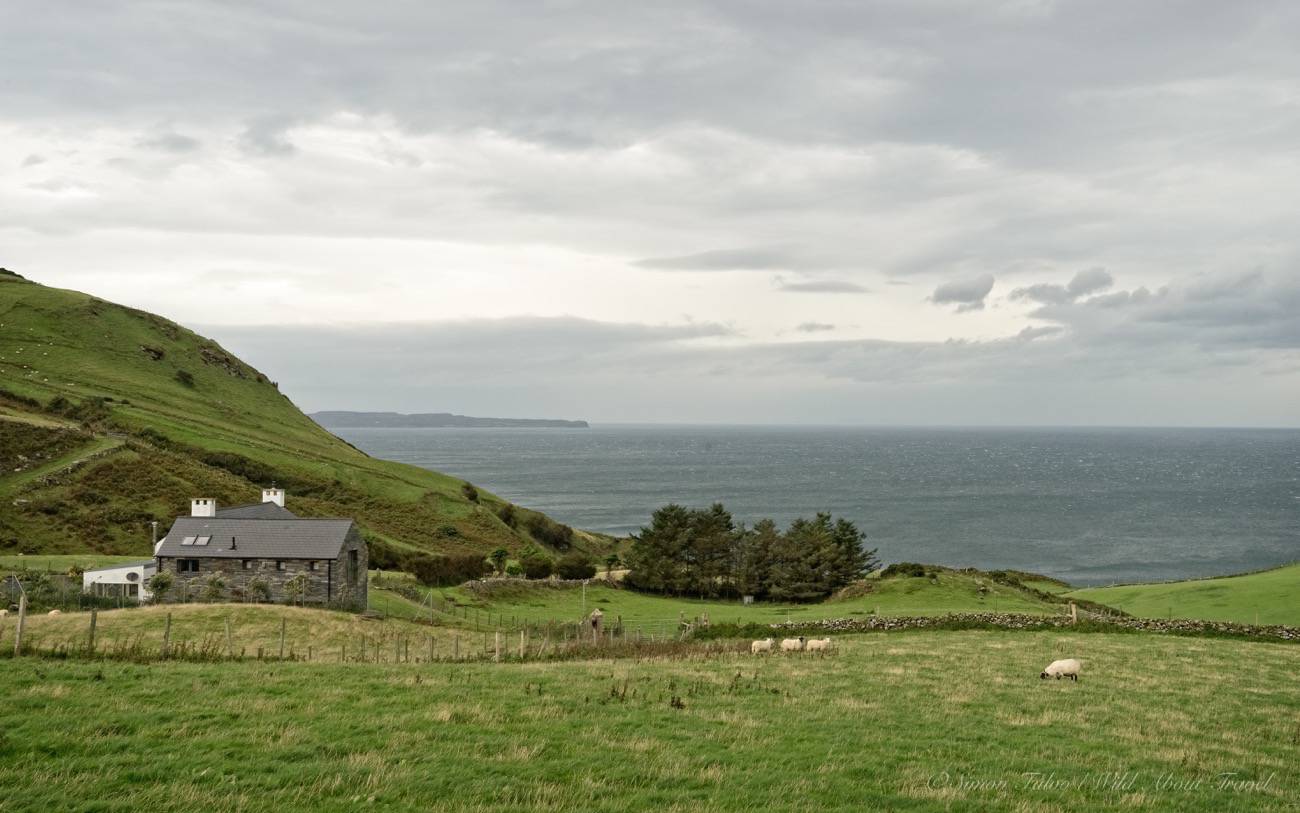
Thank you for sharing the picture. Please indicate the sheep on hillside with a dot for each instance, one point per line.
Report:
(764, 645)
(54, 612)
(820, 645)
(1068, 667)
(793, 644)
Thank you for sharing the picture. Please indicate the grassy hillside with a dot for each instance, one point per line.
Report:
(949, 592)
(1267, 597)
(941, 720)
(112, 417)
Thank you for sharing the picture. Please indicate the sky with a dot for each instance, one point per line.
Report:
(994, 212)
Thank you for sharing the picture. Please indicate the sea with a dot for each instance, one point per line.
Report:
(1090, 506)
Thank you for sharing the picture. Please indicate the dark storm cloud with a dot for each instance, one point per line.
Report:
(966, 294)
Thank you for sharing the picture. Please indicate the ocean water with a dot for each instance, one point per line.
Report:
(1092, 506)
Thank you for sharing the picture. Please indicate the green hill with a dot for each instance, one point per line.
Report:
(1266, 597)
(111, 418)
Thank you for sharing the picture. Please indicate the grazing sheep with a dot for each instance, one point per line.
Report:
(4, 613)
(764, 645)
(820, 645)
(1069, 667)
(54, 612)
(793, 644)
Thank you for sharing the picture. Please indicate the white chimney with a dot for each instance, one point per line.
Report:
(203, 507)
(275, 495)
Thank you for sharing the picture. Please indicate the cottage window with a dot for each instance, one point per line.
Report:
(202, 540)
(311, 565)
(279, 565)
(189, 540)
(187, 565)
(248, 564)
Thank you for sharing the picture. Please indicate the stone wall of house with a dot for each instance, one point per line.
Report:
(328, 582)
(356, 593)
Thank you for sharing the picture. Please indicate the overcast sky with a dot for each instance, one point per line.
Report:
(914, 212)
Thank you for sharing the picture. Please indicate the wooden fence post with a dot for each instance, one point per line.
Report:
(455, 643)
(230, 643)
(167, 637)
(1074, 613)
(22, 624)
(363, 649)
(430, 649)
(282, 623)
(521, 644)
(90, 638)
(496, 651)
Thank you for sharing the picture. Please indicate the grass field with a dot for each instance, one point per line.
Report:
(61, 563)
(950, 592)
(253, 626)
(1267, 597)
(899, 721)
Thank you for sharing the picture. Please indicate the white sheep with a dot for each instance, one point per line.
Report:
(820, 645)
(4, 613)
(1069, 667)
(55, 612)
(764, 645)
(793, 644)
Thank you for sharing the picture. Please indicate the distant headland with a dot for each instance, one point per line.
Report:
(428, 420)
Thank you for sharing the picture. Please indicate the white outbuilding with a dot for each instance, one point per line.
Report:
(129, 580)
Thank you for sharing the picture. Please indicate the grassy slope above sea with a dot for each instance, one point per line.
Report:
(1266, 597)
(922, 720)
(112, 417)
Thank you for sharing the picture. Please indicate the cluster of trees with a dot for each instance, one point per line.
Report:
(702, 552)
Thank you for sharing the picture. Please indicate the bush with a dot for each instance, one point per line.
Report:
(549, 532)
(514, 569)
(575, 565)
(160, 584)
(444, 571)
(506, 514)
(214, 588)
(904, 569)
(538, 567)
(259, 589)
(469, 491)
(185, 377)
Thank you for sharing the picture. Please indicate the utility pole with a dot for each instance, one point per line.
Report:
(154, 525)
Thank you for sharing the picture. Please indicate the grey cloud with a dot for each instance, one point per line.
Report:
(268, 136)
(814, 327)
(33, 160)
(1089, 281)
(966, 294)
(771, 258)
(819, 286)
(170, 142)
(1081, 284)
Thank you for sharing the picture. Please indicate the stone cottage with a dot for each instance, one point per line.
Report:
(265, 543)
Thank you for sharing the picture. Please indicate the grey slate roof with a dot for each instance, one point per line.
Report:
(256, 510)
(257, 538)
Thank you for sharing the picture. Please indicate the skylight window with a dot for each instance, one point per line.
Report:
(189, 540)
(202, 540)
